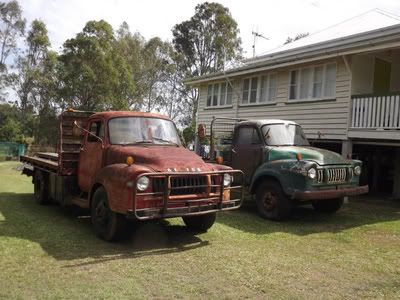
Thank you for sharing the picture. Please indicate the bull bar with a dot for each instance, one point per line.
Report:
(211, 200)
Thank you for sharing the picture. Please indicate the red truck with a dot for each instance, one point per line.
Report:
(130, 165)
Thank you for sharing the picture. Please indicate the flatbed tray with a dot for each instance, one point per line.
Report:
(40, 162)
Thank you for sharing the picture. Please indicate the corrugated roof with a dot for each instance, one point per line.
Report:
(371, 20)
(357, 31)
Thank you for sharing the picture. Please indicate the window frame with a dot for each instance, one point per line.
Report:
(90, 138)
(310, 89)
(256, 130)
(258, 91)
(227, 93)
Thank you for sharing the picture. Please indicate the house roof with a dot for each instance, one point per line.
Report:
(354, 34)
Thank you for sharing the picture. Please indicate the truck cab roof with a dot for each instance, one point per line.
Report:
(263, 122)
(115, 114)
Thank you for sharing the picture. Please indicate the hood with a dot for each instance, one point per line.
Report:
(159, 158)
(317, 155)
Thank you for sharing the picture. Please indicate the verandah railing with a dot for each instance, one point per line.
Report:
(376, 112)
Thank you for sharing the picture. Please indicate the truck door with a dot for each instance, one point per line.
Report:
(91, 155)
(247, 151)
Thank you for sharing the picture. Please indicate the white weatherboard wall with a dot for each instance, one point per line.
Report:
(328, 117)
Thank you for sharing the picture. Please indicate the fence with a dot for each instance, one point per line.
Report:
(9, 151)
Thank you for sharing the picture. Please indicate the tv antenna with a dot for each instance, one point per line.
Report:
(256, 35)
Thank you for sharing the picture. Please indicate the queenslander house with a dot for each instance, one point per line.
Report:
(341, 84)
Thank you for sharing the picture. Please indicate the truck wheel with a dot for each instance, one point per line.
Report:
(200, 223)
(272, 203)
(107, 224)
(41, 187)
(328, 205)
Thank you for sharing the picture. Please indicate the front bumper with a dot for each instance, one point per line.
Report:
(213, 198)
(330, 194)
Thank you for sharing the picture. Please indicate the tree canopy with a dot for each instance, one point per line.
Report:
(102, 69)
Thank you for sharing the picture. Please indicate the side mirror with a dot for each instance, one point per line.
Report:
(77, 129)
(201, 131)
(95, 137)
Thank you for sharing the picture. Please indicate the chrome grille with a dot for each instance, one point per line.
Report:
(336, 175)
(182, 185)
(320, 175)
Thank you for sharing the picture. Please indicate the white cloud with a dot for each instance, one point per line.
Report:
(275, 19)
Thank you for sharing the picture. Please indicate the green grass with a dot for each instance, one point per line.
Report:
(48, 252)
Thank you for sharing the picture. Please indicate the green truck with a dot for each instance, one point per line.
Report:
(281, 169)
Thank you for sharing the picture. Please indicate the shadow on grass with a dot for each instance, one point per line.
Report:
(305, 220)
(67, 234)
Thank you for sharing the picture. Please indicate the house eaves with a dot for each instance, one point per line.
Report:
(387, 37)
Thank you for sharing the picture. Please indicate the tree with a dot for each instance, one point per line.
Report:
(205, 43)
(10, 128)
(29, 66)
(13, 25)
(208, 39)
(94, 76)
(297, 37)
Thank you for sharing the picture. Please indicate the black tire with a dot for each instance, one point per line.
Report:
(41, 187)
(201, 223)
(108, 225)
(329, 205)
(272, 202)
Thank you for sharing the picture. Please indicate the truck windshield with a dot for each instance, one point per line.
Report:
(141, 130)
(284, 135)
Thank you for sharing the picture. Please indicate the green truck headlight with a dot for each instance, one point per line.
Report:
(357, 170)
(312, 173)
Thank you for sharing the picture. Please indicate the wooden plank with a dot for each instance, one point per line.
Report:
(387, 112)
(40, 162)
(383, 105)
(353, 115)
(357, 111)
(365, 112)
(360, 112)
(48, 155)
(378, 112)
(374, 100)
(370, 100)
(391, 116)
(397, 113)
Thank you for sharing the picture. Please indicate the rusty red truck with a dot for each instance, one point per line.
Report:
(130, 165)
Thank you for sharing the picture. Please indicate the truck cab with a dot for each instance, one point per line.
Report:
(130, 165)
(282, 169)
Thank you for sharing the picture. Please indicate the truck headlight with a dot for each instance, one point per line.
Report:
(357, 170)
(143, 183)
(227, 179)
(312, 173)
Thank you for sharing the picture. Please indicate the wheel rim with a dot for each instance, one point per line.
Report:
(269, 201)
(101, 216)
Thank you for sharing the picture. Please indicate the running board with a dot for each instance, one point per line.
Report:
(81, 202)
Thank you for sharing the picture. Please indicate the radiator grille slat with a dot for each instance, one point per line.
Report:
(182, 185)
(332, 175)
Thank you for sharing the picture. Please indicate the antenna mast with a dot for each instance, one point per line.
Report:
(256, 35)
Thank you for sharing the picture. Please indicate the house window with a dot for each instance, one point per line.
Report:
(219, 94)
(316, 82)
(259, 89)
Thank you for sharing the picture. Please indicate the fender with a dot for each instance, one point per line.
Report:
(284, 171)
(115, 179)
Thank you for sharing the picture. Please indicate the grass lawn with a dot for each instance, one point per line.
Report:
(48, 252)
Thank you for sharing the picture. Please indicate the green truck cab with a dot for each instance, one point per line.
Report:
(281, 169)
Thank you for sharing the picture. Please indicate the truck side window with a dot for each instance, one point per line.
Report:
(248, 136)
(96, 128)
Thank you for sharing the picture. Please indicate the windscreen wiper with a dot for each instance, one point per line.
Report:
(166, 141)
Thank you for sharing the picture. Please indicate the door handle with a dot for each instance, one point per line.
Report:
(233, 150)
